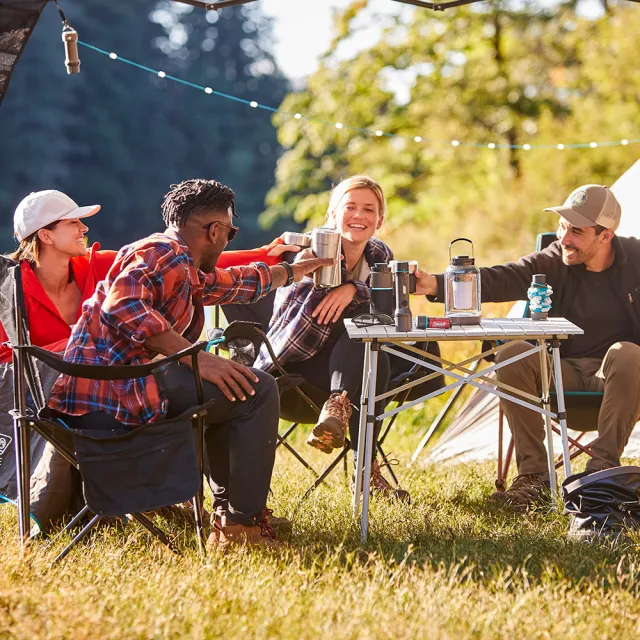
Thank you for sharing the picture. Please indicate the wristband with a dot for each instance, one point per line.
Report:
(289, 269)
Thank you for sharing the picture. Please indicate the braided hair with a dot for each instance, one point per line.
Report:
(191, 196)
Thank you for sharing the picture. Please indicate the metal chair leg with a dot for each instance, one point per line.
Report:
(296, 455)
(72, 523)
(321, 478)
(155, 531)
(198, 499)
(92, 523)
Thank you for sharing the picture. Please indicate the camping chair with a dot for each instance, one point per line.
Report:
(125, 472)
(582, 407)
(300, 401)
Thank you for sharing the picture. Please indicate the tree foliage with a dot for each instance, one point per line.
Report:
(117, 136)
(493, 72)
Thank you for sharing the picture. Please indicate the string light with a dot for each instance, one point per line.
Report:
(377, 133)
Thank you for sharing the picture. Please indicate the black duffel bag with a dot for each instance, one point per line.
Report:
(603, 504)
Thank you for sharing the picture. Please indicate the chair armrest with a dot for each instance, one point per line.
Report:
(106, 372)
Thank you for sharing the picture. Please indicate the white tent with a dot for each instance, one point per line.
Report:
(473, 434)
(627, 191)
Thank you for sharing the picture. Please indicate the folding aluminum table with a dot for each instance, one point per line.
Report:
(544, 333)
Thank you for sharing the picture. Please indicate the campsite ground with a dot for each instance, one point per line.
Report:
(448, 566)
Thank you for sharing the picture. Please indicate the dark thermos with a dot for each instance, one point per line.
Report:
(402, 315)
(381, 286)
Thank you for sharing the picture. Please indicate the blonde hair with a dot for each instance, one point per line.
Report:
(356, 182)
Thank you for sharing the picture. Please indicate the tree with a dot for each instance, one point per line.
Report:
(118, 136)
(484, 74)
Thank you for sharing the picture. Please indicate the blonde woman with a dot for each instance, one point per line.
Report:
(307, 332)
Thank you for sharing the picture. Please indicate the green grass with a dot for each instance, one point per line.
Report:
(447, 566)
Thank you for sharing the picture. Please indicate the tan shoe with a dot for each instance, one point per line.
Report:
(260, 535)
(526, 491)
(329, 432)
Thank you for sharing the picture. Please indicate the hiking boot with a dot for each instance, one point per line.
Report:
(260, 535)
(329, 433)
(280, 524)
(526, 491)
(379, 484)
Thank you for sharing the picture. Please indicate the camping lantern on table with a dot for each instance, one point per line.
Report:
(462, 288)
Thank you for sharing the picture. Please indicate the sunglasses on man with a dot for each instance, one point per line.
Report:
(233, 231)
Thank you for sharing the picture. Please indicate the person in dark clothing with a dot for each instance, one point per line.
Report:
(595, 276)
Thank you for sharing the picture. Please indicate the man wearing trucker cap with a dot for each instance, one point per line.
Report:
(595, 276)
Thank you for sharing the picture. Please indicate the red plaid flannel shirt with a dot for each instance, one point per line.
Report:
(152, 287)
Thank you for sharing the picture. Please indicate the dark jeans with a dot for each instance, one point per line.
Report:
(338, 367)
(240, 439)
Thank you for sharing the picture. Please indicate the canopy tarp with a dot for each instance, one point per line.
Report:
(17, 20)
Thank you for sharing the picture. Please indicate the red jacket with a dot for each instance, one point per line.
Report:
(48, 329)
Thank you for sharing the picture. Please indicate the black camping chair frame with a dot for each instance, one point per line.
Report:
(26, 376)
(287, 381)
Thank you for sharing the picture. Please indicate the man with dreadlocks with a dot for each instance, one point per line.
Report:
(152, 303)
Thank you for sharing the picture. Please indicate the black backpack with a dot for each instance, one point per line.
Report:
(604, 504)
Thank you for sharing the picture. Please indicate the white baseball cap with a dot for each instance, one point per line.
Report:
(41, 208)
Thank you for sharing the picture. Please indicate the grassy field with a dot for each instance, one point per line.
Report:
(447, 566)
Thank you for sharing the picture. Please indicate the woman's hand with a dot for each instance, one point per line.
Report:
(278, 249)
(334, 303)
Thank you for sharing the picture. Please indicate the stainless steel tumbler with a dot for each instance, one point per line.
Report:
(326, 243)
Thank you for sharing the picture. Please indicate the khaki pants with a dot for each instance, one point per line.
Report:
(617, 375)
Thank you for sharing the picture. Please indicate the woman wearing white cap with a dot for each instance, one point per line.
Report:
(58, 271)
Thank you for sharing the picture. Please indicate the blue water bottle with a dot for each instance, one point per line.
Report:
(539, 294)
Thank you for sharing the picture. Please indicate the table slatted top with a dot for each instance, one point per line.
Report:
(488, 329)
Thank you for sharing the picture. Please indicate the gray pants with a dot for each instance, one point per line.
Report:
(240, 440)
(617, 375)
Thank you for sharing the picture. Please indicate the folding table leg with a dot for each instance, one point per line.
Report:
(442, 415)
(544, 374)
(92, 523)
(368, 449)
(562, 415)
(362, 431)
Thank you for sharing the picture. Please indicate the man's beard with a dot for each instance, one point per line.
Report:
(208, 262)
(579, 256)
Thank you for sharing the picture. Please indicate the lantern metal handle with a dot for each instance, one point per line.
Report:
(461, 240)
